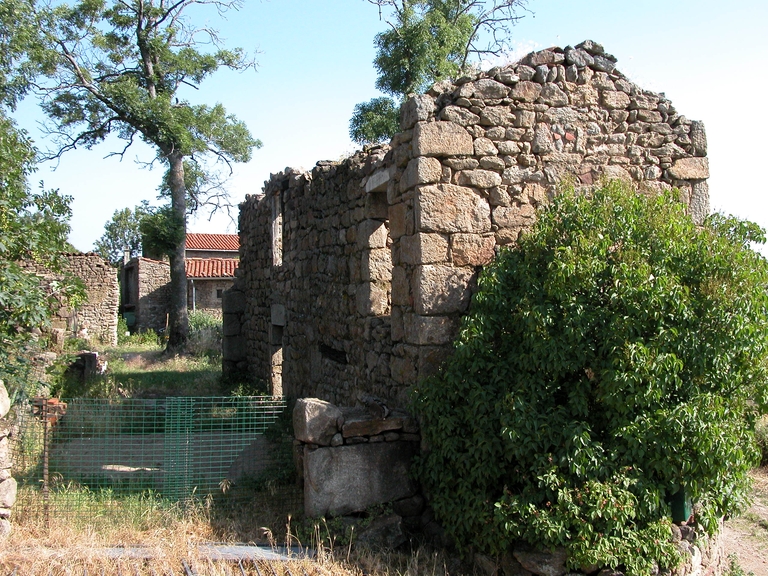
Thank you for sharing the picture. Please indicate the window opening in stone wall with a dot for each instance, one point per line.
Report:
(277, 230)
(129, 288)
(334, 355)
(276, 361)
(219, 293)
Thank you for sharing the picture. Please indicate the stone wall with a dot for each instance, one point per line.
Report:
(374, 258)
(96, 318)
(7, 484)
(205, 293)
(146, 292)
(315, 268)
(351, 458)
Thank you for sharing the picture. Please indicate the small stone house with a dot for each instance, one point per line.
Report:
(211, 262)
(354, 275)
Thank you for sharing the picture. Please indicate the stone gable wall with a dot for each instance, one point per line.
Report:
(380, 252)
(476, 158)
(97, 316)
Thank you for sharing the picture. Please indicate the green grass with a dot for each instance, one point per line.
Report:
(139, 368)
(735, 569)
(151, 373)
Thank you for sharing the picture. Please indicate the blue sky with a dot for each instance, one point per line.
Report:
(710, 58)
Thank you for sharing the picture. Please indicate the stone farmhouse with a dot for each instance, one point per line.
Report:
(211, 262)
(354, 275)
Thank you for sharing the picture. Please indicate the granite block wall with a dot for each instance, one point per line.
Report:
(354, 276)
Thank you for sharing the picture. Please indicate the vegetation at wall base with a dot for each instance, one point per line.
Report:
(616, 356)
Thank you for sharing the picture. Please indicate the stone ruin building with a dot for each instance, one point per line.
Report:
(96, 317)
(211, 261)
(354, 275)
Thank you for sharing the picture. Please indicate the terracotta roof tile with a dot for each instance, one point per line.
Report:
(197, 241)
(211, 267)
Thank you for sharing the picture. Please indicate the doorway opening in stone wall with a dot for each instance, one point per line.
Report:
(276, 360)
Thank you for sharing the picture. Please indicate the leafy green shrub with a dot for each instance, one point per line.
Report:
(205, 334)
(618, 355)
(734, 568)
(139, 338)
(76, 344)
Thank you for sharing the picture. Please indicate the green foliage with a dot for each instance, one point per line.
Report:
(21, 52)
(205, 334)
(617, 355)
(117, 68)
(374, 121)
(761, 436)
(161, 231)
(33, 230)
(122, 232)
(735, 569)
(427, 41)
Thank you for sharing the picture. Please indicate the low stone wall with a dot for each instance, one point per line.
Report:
(353, 458)
(7, 484)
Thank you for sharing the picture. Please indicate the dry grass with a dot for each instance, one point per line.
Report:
(163, 539)
(65, 551)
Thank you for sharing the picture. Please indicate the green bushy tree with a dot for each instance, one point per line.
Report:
(33, 230)
(427, 41)
(615, 357)
(122, 68)
(121, 232)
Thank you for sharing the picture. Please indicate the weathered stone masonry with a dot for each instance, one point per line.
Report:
(97, 316)
(316, 274)
(354, 275)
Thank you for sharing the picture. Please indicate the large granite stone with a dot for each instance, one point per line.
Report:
(233, 301)
(459, 115)
(315, 421)
(5, 529)
(362, 424)
(421, 171)
(416, 109)
(5, 402)
(7, 493)
(543, 563)
(690, 169)
(347, 479)
(439, 289)
(449, 208)
(441, 139)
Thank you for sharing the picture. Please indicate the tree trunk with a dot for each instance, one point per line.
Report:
(178, 321)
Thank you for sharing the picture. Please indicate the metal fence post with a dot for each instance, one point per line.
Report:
(177, 449)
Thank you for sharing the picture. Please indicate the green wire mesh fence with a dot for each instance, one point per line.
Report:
(94, 457)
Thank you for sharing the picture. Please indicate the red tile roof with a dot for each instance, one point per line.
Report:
(211, 267)
(197, 241)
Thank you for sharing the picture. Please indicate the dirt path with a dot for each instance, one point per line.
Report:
(747, 536)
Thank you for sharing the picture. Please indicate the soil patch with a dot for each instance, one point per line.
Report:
(746, 536)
